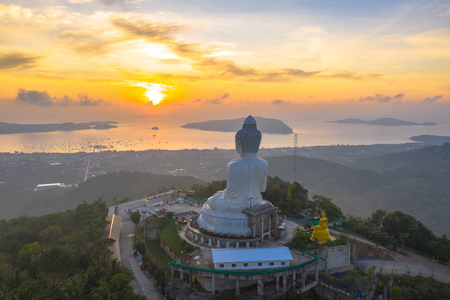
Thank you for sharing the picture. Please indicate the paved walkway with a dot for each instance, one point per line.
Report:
(411, 263)
(142, 285)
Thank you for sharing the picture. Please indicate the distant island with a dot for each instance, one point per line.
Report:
(11, 128)
(265, 125)
(382, 122)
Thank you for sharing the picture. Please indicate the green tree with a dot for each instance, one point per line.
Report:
(298, 192)
(397, 222)
(288, 196)
(376, 219)
(402, 237)
(170, 215)
(136, 217)
(322, 203)
(300, 241)
(51, 233)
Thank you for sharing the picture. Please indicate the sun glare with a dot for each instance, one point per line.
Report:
(154, 91)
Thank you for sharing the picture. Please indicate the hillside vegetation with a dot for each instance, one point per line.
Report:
(61, 256)
(109, 187)
(436, 157)
(416, 182)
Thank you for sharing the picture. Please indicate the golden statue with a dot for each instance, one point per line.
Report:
(321, 233)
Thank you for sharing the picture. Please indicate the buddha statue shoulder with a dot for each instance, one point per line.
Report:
(247, 176)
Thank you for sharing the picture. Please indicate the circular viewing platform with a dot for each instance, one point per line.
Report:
(208, 239)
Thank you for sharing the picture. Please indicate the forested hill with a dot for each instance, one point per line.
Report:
(109, 186)
(422, 190)
(132, 185)
(434, 156)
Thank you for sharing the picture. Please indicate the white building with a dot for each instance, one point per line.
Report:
(251, 258)
(48, 186)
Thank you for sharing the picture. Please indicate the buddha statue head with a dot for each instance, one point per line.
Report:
(248, 138)
(323, 221)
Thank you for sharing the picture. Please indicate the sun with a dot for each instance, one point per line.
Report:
(154, 92)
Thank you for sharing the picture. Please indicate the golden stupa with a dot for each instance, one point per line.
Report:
(321, 233)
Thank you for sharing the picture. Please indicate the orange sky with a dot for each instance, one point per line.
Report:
(78, 59)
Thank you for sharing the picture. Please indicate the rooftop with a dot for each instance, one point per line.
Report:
(251, 254)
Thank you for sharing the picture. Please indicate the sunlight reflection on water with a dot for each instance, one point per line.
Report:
(140, 136)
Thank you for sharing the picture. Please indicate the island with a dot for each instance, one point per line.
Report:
(265, 125)
(382, 122)
(11, 128)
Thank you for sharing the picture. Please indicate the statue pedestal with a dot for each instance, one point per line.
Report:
(235, 229)
(263, 220)
(223, 222)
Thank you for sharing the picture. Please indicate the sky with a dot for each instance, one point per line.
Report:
(95, 60)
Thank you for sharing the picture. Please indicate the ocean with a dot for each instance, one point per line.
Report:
(139, 135)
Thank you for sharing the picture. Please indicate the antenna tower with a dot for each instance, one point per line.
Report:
(295, 157)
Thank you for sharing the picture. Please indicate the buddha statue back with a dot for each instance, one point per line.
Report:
(246, 179)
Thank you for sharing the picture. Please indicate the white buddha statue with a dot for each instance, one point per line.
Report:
(247, 176)
(246, 179)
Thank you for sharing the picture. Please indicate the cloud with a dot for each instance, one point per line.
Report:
(160, 33)
(201, 57)
(229, 69)
(283, 75)
(84, 41)
(382, 98)
(35, 97)
(223, 68)
(432, 100)
(215, 101)
(43, 98)
(352, 75)
(279, 102)
(146, 28)
(13, 60)
(218, 101)
(86, 101)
